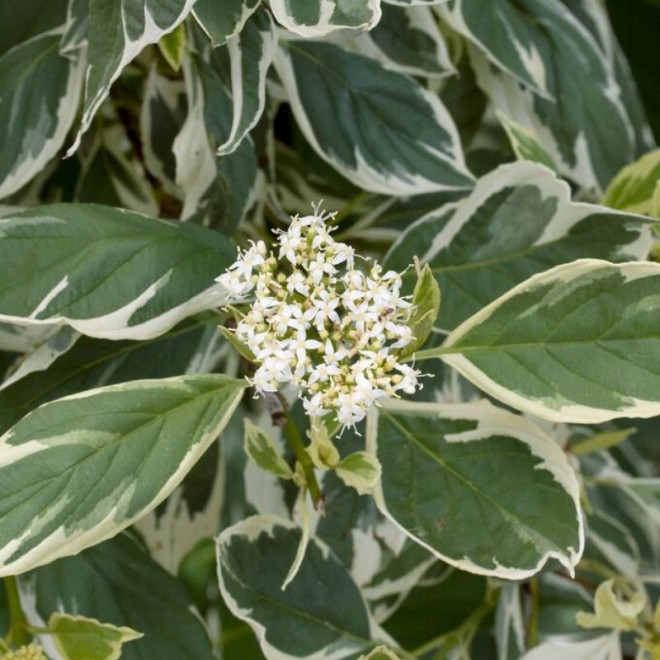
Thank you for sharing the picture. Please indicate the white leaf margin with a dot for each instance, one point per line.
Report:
(57, 544)
(325, 25)
(240, 127)
(574, 413)
(250, 529)
(531, 59)
(115, 324)
(491, 421)
(423, 20)
(152, 34)
(66, 113)
(363, 174)
(516, 175)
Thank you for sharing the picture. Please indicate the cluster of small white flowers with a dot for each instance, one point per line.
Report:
(320, 324)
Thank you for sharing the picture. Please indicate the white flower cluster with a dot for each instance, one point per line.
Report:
(320, 324)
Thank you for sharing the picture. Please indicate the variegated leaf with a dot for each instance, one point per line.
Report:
(579, 86)
(577, 343)
(437, 485)
(524, 143)
(113, 178)
(509, 623)
(502, 31)
(396, 577)
(39, 94)
(372, 541)
(173, 45)
(410, 3)
(40, 357)
(191, 513)
(118, 31)
(321, 613)
(76, 27)
(380, 129)
(316, 18)
(594, 15)
(80, 469)
(518, 221)
(607, 647)
(66, 363)
(161, 118)
(612, 542)
(118, 582)
(78, 637)
(250, 54)
(221, 189)
(636, 185)
(106, 272)
(223, 20)
(408, 40)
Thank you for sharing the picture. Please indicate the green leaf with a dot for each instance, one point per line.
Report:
(378, 128)
(426, 306)
(223, 20)
(321, 612)
(78, 470)
(316, 18)
(236, 343)
(259, 446)
(578, 343)
(524, 143)
(410, 41)
(94, 363)
(118, 32)
(250, 54)
(613, 611)
(634, 188)
(173, 45)
(107, 273)
(118, 582)
(437, 485)
(79, 637)
(518, 221)
(359, 470)
(571, 101)
(40, 93)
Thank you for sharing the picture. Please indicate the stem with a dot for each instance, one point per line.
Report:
(533, 631)
(428, 354)
(294, 439)
(18, 630)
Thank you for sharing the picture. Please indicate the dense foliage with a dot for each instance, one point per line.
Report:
(328, 330)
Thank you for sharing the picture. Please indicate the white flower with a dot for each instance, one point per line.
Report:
(314, 406)
(297, 282)
(324, 307)
(320, 324)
